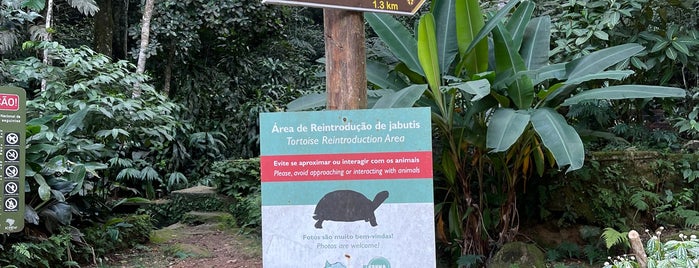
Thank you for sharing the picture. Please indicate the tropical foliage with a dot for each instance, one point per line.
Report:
(90, 146)
(495, 106)
(516, 90)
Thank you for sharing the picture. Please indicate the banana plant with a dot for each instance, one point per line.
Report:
(513, 102)
(494, 105)
(527, 88)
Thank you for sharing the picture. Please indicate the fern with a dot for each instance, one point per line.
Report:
(86, 7)
(638, 202)
(593, 253)
(22, 249)
(613, 237)
(691, 217)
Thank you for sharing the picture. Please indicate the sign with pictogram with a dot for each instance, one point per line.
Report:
(12, 147)
(11, 188)
(347, 186)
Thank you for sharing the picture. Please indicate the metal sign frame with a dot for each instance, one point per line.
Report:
(12, 168)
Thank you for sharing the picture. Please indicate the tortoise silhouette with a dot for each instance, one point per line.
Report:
(347, 206)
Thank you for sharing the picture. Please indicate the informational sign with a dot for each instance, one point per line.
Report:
(347, 189)
(399, 7)
(12, 143)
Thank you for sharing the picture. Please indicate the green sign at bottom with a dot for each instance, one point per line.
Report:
(12, 146)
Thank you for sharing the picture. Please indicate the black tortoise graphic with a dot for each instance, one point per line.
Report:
(347, 205)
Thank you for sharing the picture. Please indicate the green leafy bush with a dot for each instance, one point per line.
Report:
(177, 205)
(672, 253)
(118, 233)
(624, 190)
(230, 60)
(89, 143)
(240, 180)
(52, 251)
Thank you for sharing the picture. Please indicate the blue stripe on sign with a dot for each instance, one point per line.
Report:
(346, 131)
(310, 192)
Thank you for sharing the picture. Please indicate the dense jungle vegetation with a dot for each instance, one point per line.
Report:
(521, 92)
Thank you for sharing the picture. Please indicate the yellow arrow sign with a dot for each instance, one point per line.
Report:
(399, 7)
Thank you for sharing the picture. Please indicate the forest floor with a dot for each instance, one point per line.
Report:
(184, 245)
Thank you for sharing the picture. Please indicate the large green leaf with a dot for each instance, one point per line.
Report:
(73, 123)
(445, 23)
(77, 176)
(401, 99)
(380, 75)
(518, 22)
(86, 7)
(627, 92)
(397, 38)
(605, 75)
(536, 42)
(592, 63)
(478, 88)
(601, 60)
(505, 127)
(507, 59)
(427, 52)
(490, 25)
(554, 71)
(560, 139)
(307, 102)
(35, 5)
(44, 188)
(469, 21)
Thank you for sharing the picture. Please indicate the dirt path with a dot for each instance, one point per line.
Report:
(182, 245)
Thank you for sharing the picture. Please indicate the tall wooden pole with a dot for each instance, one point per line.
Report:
(345, 59)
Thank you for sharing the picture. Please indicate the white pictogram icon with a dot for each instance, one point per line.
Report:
(11, 155)
(11, 171)
(11, 187)
(11, 203)
(12, 138)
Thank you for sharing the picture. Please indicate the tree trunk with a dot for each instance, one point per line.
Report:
(49, 16)
(167, 76)
(145, 35)
(120, 9)
(345, 64)
(104, 28)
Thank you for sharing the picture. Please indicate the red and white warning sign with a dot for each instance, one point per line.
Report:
(9, 102)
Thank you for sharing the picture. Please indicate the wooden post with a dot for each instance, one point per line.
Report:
(637, 249)
(345, 59)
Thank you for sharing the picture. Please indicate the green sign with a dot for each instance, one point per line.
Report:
(12, 145)
(347, 189)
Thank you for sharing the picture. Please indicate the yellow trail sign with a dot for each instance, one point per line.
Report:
(399, 7)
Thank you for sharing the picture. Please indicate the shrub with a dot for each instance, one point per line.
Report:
(52, 251)
(174, 208)
(672, 253)
(89, 143)
(116, 234)
(240, 180)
